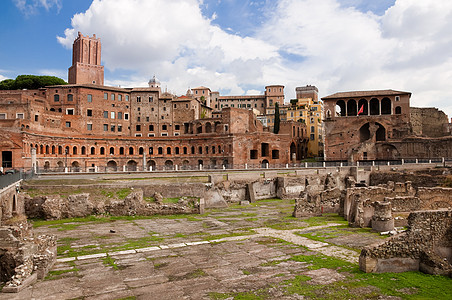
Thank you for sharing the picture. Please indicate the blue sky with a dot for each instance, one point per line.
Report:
(239, 46)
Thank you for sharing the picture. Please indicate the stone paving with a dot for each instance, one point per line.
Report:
(234, 250)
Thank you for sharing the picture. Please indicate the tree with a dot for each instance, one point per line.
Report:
(277, 119)
(30, 82)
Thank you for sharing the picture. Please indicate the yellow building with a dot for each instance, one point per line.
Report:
(307, 108)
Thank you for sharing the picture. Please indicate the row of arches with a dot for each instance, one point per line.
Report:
(112, 150)
(207, 127)
(364, 107)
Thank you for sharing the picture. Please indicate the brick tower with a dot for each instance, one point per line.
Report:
(86, 68)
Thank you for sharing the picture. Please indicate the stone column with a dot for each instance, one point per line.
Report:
(33, 159)
(382, 219)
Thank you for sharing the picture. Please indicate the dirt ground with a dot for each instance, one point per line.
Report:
(256, 251)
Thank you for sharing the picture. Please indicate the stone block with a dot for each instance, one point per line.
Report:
(270, 174)
(27, 282)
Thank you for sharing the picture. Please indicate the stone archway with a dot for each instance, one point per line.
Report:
(75, 166)
(169, 165)
(131, 165)
(151, 163)
(112, 166)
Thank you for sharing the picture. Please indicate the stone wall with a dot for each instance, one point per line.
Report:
(81, 205)
(425, 246)
(429, 121)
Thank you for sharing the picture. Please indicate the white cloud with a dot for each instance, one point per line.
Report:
(2, 77)
(31, 7)
(54, 72)
(336, 47)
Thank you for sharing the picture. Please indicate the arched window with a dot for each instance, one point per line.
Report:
(60, 150)
(363, 107)
(53, 149)
(192, 150)
(351, 108)
(386, 106)
(199, 150)
(340, 108)
(93, 151)
(102, 150)
(176, 150)
(141, 151)
(168, 150)
(47, 149)
(130, 150)
(151, 150)
(160, 150)
(374, 107)
(213, 149)
(185, 150)
(398, 110)
(207, 149)
(83, 150)
(74, 150)
(112, 150)
(121, 151)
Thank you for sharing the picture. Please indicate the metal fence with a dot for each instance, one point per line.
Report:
(181, 168)
(13, 176)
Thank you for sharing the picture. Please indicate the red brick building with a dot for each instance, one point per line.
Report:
(88, 126)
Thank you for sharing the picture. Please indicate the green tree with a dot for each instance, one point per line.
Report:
(30, 82)
(277, 119)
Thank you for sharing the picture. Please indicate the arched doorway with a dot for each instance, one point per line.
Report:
(185, 164)
(374, 107)
(47, 166)
(208, 127)
(386, 106)
(112, 166)
(168, 165)
(388, 152)
(75, 166)
(363, 107)
(264, 163)
(151, 163)
(293, 152)
(60, 165)
(131, 165)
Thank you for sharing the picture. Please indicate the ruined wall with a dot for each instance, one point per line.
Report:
(423, 178)
(425, 246)
(10, 204)
(429, 122)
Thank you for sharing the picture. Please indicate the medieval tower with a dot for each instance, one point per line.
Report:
(86, 67)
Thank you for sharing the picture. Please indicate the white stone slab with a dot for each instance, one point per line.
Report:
(66, 259)
(83, 257)
(197, 243)
(147, 249)
(177, 245)
(123, 252)
(163, 247)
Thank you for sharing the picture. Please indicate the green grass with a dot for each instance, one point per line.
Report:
(325, 219)
(109, 261)
(319, 261)
(52, 275)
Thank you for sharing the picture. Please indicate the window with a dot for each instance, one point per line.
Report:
(119, 115)
(112, 96)
(165, 134)
(312, 137)
(147, 119)
(151, 135)
(138, 99)
(89, 127)
(139, 108)
(106, 114)
(69, 111)
(160, 150)
(56, 98)
(164, 108)
(93, 150)
(89, 112)
(112, 150)
(105, 127)
(127, 97)
(70, 97)
(119, 128)
(112, 115)
(19, 116)
(112, 128)
(312, 129)
(151, 127)
(175, 105)
(138, 127)
(102, 150)
(89, 98)
(3, 116)
(138, 119)
(68, 124)
(106, 96)
(126, 116)
(177, 127)
(119, 97)
(397, 98)
(151, 99)
(164, 127)
(36, 118)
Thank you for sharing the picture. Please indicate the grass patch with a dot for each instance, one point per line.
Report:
(244, 232)
(324, 220)
(109, 261)
(191, 275)
(52, 275)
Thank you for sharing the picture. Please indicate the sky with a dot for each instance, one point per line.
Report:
(238, 47)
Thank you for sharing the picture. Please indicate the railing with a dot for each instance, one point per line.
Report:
(13, 176)
(301, 165)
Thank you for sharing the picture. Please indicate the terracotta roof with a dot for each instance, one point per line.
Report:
(92, 86)
(201, 88)
(356, 94)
